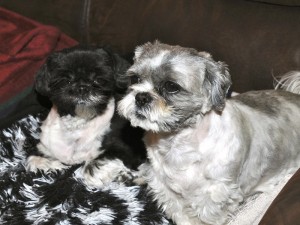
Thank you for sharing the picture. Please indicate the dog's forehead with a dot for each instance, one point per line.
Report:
(151, 59)
(84, 59)
(175, 63)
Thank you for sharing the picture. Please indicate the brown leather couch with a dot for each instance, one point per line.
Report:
(258, 39)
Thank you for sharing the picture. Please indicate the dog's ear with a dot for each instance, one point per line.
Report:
(43, 76)
(119, 66)
(218, 81)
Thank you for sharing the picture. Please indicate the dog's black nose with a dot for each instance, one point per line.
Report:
(143, 98)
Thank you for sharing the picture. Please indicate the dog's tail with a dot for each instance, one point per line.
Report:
(289, 82)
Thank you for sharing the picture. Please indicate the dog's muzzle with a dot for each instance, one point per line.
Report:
(142, 99)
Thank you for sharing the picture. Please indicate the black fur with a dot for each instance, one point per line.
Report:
(70, 77)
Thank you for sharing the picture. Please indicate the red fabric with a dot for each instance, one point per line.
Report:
(24, 46)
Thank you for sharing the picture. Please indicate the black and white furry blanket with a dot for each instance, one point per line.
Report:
(60, 198)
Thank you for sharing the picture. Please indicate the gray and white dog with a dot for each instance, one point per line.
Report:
(207, 154)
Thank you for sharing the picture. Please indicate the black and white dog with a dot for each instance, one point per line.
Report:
(208, 154)
(82, 126)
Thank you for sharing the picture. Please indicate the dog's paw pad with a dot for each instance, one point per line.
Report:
(99, 173)
(35, 163)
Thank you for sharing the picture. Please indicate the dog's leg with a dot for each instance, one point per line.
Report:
(100, 172)
(141, 174)
(35, 163)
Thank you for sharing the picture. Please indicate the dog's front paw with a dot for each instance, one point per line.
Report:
(99, 173)
(35, 163)
(142, 173)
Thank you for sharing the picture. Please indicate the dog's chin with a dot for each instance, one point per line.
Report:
(85, 112)
(141, 121)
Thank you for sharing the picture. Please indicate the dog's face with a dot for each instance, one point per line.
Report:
(80, 81)
(172, 87)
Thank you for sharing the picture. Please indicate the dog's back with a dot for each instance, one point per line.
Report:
(269, 122)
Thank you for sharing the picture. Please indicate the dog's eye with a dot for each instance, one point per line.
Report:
(57, 83)
(134, 79)
(171, 87)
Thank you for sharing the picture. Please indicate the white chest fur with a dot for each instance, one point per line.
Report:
(187, 177)
(74, 140)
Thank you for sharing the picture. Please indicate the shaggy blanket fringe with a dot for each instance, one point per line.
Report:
(60, 197)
